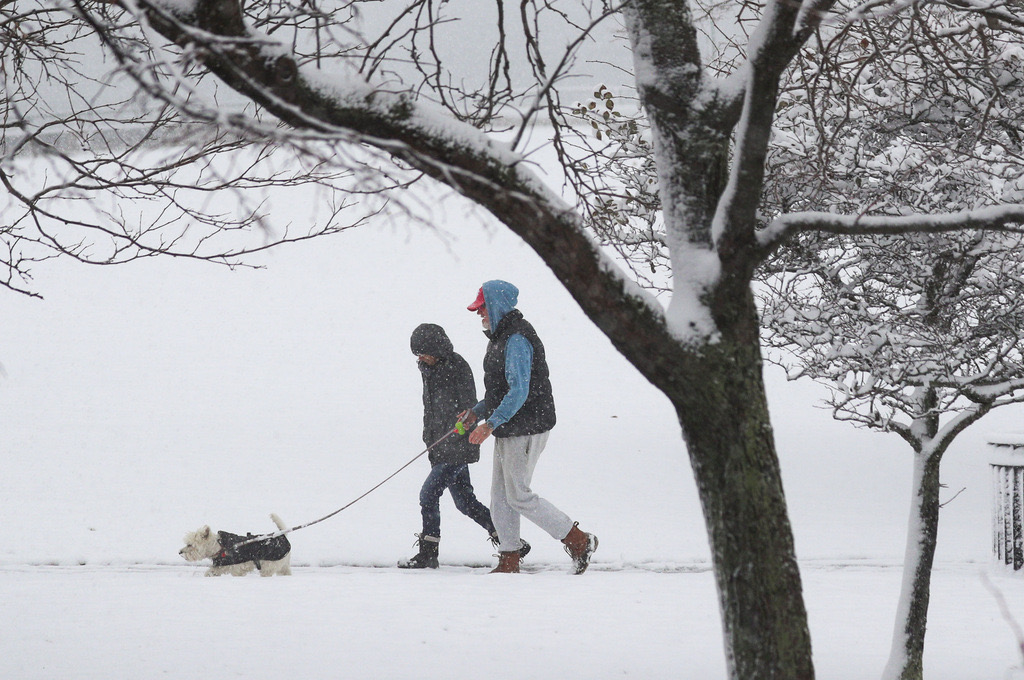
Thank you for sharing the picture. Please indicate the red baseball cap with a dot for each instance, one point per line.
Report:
(478, 302)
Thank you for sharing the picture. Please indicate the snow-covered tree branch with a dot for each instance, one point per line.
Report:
(1008, 218)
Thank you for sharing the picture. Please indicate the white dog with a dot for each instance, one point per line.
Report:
(238, 555)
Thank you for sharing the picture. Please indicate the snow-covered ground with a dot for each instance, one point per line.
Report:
(105, 622)
(143, 401)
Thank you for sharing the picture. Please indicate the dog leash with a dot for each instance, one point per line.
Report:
(459, 428)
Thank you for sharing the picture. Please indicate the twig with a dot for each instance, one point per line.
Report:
(942, 505)
(1007, 615)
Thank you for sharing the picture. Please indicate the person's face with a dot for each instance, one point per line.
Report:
(485, 320)
(427, 359)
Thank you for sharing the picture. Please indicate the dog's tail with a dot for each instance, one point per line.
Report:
(277, 520)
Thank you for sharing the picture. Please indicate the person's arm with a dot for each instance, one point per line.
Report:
(518, 367)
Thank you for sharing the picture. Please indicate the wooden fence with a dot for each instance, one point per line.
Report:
(1008, 503)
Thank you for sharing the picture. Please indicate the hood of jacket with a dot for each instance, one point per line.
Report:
(430, 339)
(501, 298)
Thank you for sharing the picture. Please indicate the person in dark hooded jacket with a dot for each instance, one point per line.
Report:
(448, 391)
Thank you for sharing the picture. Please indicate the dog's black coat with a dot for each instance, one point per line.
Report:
(272, 548)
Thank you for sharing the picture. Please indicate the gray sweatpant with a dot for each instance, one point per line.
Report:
(511, 497)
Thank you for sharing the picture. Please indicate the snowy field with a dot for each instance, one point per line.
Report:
(142, 622)
(142, 401)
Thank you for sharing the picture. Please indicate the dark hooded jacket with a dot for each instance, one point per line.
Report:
(448, 390)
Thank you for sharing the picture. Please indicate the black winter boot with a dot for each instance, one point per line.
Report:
(426, 558)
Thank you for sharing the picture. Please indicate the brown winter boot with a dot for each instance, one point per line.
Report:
(580, 546)
(508, 562)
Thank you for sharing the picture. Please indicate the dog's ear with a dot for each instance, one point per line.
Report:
(205, 531)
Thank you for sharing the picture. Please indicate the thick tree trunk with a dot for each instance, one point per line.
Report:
(906, 658)
(724, 415)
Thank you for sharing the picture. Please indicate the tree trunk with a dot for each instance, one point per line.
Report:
(907, 653)
(724, 414)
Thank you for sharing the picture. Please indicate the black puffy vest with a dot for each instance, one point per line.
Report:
(538, 413)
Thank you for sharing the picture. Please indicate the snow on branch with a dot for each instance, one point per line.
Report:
(994, 11)
(774, 43)
(879, 318)
(1005, 218)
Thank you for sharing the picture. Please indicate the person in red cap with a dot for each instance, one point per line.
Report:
(519, 410)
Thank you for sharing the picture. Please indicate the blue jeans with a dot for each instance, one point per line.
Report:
(455, 478)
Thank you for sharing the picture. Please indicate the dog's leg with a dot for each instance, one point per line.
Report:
(242, 568)
(281, 567)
